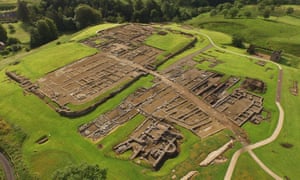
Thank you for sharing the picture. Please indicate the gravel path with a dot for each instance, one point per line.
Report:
(7, 168)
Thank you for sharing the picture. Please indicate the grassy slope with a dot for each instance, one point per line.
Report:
(281, 34)
(281, 160)
(51, 57)
(90, 31)
(170, 42)
(201, 43)
(285, 161)
(20, 33)
(245, 170)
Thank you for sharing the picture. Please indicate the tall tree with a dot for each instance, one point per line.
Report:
(3, 34)
(85, 15)
(44, 32)
(23, 12)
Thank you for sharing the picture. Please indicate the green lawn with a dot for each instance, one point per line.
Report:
(201, 43)
(51, 57)
(246, 167)
(284, 161)
(170, 42)
(91, 31)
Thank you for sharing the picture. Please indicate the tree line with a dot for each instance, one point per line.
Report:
(50, 17)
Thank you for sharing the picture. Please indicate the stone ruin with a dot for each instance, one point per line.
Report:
(254, 85)
(241, 106)
(153, 142)
(208, 85)
(276, 56)
(25, 83)
(273, 55)
(128, 42)
(294, 88)
(158, 102)
(86, 79)
(104, 124)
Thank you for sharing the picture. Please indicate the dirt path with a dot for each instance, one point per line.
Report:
(7, 168)
(264, 142)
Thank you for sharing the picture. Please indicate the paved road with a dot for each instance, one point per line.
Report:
(275, 134)
(7, 168)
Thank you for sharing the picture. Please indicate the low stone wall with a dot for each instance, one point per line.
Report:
(178, 52)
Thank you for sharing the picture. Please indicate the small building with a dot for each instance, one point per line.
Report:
(276, 56)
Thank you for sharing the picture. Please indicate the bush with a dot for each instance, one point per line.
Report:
(237, 41)
(289, 11)
(79, 172)
(4, 52)
(16, 48)
(12, 40)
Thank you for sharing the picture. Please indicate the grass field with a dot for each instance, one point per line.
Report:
(281, 160)
(49, 58)
(91, 31)
(275, 34)
(170, 42)
(245, 170)
(201, 43)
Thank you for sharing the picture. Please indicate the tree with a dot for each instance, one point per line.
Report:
(289, 10)
(23, 12)
(237, 41)
(3, 34)
(266, 13)
(79, 172)
(85, 15)
(247, 14)
(53, 29)
(233, 12)
(44, 32)
(35, 39)
(213, 12)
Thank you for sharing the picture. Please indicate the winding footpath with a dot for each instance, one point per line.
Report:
(249, 148)
(7, 168)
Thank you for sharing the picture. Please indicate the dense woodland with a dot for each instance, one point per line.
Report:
(51, 17)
